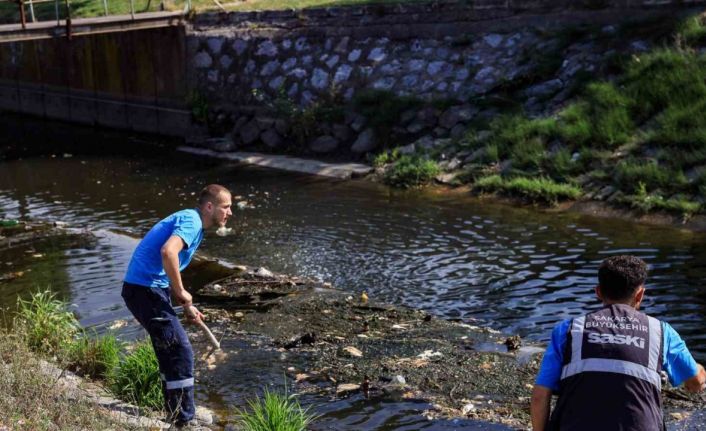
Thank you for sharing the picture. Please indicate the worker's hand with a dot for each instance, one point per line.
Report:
(193, 315)
(183, 297)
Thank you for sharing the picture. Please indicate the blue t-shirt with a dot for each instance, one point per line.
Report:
(145, 268)
(677, 361)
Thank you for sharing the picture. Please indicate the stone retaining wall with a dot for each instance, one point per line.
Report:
(447, 55)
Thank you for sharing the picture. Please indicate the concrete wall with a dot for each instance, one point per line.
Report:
(133, 80)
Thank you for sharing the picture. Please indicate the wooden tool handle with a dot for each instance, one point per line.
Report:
(208, 332)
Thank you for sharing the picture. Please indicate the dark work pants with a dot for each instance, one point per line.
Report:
(152, 307)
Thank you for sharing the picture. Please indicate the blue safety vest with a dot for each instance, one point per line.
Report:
(610, 378)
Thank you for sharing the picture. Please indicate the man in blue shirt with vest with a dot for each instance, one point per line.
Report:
(153, 273)
(605, 366)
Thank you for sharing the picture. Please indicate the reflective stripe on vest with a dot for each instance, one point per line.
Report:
(649, 373)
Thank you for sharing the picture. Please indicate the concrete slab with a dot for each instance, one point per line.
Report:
(287, 163)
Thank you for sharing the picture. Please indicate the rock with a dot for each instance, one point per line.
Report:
(271, 138)
(427, 116)
(466, 409)
(544, 89)
(640, 46)
(289, 63)
(239, 46)
(202, 60)
(214, 45)
(239, 123)
(307, 339)
(341, 132)
(358, 122)
(346, 387)
(415, 128)
(457, 114)
(220, 144)
(435, 67)
(439, 132)
(267, 49)
(457, 131)
(365, 142)
(513, 343)
(264, 123)
(281, 126)
(319, 79)
(494, 40)
(342, 73)
(416, 65)
(399, 380)
(376, 54)
(385, 83)
(324, 144)
(448, 178)
(353, 352)
(249, 132)
(354, 55)
(263, 272)
(407, 149)
(226, 61)
(203, 415)
(332, 61)
(269, 68)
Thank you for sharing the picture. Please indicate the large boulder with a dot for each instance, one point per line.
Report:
(365, 142)
(271, 138)
(249, 132)
(324, 144)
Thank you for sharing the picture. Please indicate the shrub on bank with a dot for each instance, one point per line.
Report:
(136, 378)
(94, 356)
(410, 171)
(275, 412)
(46, 323)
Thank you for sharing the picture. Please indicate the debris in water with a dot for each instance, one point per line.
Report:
(118, 324)
(513, 343)
(364, 298)
(264, 272)
(352, 351)
(224, 231)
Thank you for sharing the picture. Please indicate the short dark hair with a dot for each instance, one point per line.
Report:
(210, 193)
(620, 276)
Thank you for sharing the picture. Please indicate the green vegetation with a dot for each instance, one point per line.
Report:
(47, 325)
(538, 190)
(411, 170)
(275, 412)
(94, 356)
(640, 131)
(136, 378)
(48, 328)
(31, 399)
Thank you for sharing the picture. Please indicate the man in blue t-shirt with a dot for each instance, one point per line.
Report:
(606, 366)
(153, 273)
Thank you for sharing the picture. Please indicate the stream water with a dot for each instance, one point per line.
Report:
(519, 270)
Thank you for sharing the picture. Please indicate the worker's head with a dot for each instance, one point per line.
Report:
(621, 280)
(214, 204)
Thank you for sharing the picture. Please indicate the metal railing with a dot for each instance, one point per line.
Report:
(62, 9)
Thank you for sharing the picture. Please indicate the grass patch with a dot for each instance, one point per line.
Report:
(136, 378)
(31, 399)
(46, 323)
(275, 412)
(540, 190)
(650, 202)
(664, 78)
(629, 174)
(94, 356)
(410, 171)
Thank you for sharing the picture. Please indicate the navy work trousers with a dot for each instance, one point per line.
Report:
(152, 307)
